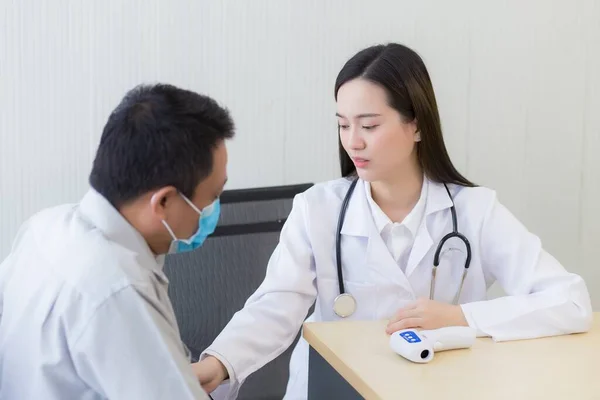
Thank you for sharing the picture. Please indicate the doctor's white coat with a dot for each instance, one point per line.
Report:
(543, 299)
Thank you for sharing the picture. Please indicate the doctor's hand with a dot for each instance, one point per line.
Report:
(210, 372)
(427, 314)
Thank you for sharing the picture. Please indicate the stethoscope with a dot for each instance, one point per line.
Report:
(344, 304)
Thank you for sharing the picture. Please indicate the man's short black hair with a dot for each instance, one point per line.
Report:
(159, 135)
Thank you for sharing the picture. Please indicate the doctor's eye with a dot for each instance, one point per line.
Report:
(342, 127)
(370, 127)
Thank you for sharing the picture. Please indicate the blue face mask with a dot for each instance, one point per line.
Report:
(207, 223)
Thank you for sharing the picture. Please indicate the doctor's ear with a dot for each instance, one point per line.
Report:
(414, 125)
(161, 199)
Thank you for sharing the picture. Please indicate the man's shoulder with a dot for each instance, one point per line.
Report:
(75, 252)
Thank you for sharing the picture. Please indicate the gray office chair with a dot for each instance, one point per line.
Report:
(209, 285)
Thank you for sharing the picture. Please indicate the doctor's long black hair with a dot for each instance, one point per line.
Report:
(403, 75)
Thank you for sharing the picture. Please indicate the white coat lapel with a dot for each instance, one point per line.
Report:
(354, 237)
(359, 222)
(420, 247)
(356, 222)
(380, 260)
(437, 200)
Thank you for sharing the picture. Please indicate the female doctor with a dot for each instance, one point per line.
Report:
(403, 197)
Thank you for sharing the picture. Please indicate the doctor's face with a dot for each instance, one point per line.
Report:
(376, 137)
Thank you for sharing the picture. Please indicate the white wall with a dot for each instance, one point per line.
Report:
(518, 84)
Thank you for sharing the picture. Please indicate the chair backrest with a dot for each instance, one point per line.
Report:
(207, 286)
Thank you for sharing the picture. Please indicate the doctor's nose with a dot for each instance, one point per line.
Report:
(355, 140)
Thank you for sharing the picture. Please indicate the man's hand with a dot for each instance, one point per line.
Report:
(210, 372)
(427, 314)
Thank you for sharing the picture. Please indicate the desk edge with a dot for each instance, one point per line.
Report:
(347, 373)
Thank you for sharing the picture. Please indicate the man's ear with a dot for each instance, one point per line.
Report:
(161, 200)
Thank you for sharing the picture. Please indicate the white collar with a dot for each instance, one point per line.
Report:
(437, 200)
(412, 221)
(98, 210)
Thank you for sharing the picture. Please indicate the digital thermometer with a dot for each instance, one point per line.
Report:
(420, 346)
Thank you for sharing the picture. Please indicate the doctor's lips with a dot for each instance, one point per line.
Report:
(360, 162)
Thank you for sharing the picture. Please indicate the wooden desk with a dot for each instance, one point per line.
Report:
(563, 367)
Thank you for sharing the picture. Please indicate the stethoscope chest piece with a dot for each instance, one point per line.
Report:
(344, 305)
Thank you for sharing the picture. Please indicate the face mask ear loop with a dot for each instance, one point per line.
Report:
(191, 204)
(165, 222)
(169, 229)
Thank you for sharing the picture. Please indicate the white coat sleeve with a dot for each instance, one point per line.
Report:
(274, 313)
(543, 299)
(128, 350)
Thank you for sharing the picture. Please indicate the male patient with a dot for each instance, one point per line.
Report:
(84, 311)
